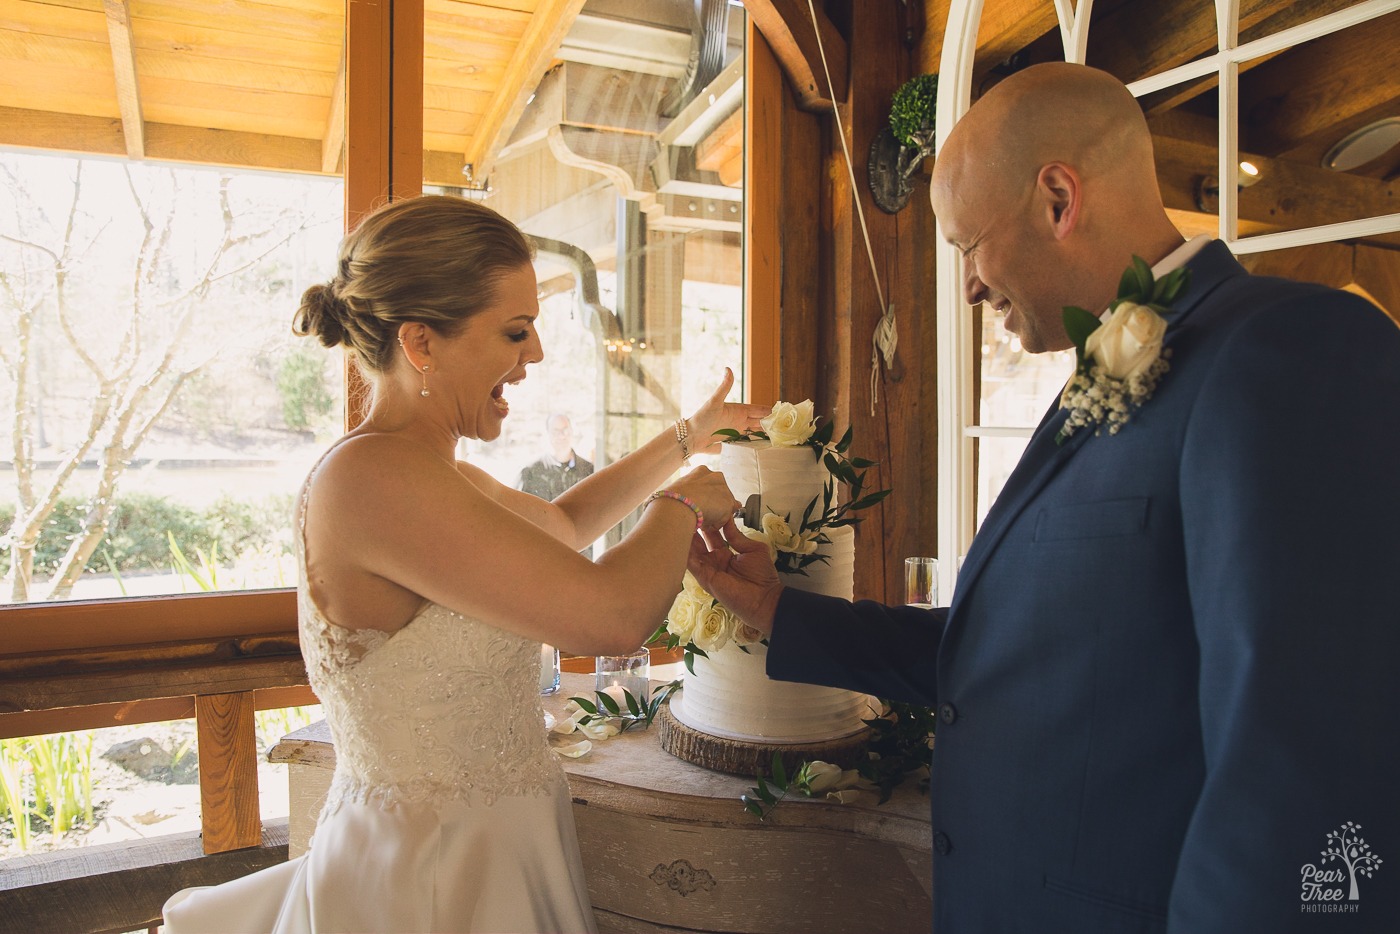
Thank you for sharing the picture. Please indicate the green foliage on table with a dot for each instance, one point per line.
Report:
(638, 713)
(899, 747)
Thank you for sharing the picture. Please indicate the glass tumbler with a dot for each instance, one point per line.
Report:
(921, 582)
(619, 673)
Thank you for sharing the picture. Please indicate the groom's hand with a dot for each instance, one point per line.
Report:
(739, 572)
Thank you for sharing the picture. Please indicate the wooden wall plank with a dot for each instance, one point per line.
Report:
(136, 683)
(763, 85)
(228, 771)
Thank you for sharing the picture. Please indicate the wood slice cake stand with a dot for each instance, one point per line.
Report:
(750, 758)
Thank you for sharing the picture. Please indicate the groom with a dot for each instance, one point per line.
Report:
(1171, 668)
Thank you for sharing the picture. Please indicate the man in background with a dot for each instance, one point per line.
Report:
(559, 468)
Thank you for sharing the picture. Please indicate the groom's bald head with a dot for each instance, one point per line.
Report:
(1048, 187)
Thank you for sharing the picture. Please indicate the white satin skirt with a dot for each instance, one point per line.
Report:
(510, 866)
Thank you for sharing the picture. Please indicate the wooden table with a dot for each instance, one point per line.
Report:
(668, 847)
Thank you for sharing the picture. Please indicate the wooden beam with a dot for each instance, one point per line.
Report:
(1140, 39)
(787, 27)
(120, 886)
(533, 56)
(1197, 36)
(228, 771)
(406, 101)
(124, 70)
(75, 625)
(1289, 195)
(763, 222)
(1306, 92)
(127, 713)
(333, 139)
(719, 150)
(1009, 26)
(136, 683)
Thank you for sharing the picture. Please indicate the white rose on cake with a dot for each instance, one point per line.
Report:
(681, 618)
(783, 538)
(714, 627)
(759, 536)
(1129, 342)
(789, 425)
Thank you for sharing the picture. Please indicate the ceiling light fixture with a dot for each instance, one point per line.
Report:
(1358, 148)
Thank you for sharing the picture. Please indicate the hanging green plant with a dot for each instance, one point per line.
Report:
(899, 149)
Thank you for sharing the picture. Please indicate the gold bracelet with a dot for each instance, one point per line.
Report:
(682, 438)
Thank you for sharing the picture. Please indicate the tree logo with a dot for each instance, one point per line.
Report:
(1323, 886)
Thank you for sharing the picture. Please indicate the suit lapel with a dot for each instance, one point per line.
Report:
(1043, 458)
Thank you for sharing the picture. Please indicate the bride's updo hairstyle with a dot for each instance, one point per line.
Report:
(433, 260)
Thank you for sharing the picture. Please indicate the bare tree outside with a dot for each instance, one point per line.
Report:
(119, 283)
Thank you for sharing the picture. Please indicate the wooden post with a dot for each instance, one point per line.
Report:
(228, 771)
(384, 125)
(763, 160)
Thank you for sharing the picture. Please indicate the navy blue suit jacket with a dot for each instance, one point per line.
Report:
(1172, 663)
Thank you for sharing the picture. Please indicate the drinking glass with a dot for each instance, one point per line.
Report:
(549, 669)
(630, 673)
(921, 582)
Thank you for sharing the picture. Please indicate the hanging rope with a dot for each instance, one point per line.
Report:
(885, 338)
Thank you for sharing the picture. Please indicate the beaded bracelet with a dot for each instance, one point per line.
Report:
(682, 438)
(680, 498)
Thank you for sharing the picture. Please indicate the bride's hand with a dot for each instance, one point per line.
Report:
(716, 414)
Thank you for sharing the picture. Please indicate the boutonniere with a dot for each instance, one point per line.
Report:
(1120, 359)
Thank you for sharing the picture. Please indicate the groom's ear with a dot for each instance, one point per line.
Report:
(1058, 197)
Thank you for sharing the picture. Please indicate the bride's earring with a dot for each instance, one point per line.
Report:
(425, 381)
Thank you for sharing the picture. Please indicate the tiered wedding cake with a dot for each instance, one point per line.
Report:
(729, 695)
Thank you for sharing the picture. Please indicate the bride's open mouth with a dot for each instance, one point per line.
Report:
(498, 395)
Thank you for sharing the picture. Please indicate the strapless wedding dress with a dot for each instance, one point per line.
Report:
(447, 811)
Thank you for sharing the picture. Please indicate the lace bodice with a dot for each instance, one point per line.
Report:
(447, 707)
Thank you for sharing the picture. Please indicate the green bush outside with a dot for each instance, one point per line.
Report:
(136, 535)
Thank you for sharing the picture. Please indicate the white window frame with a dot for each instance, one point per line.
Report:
(956, 422)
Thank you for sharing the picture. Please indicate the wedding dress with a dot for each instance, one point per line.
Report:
(447, 810)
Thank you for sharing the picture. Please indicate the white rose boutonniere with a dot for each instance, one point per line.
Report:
(1121, 359)
(789, 425)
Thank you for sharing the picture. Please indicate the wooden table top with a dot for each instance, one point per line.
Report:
(631, 772)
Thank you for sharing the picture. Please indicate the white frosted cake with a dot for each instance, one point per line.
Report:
(729, 694)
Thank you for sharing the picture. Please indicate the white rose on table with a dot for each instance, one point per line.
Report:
(713, 628)
(789, 425)
(823, 777)
(783, 538)
(692, 586)
(1129, 342)
(681, 618)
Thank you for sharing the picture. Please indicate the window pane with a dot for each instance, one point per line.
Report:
(1017, 388)
(162, 412)
(627, 170)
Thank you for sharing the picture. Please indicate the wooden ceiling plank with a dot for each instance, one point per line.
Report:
(1305, 93)
(538, 46)
(1141, 39)
(333, 140)
(295, 21)
(787, 26)
(46, 19)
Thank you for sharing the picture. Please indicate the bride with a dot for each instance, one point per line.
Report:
(427, 588)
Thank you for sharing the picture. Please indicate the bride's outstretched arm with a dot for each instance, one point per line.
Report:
(597, 503)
